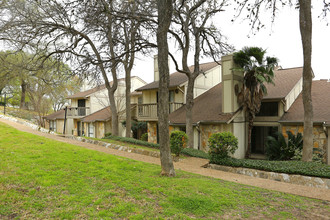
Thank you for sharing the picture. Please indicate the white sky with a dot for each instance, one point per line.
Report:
(282, 40)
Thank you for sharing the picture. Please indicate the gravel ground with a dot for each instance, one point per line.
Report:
(193, 165)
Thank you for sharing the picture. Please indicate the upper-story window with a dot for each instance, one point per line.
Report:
(268, 109)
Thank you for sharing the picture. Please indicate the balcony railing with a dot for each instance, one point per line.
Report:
(78, 111)
(149, 111)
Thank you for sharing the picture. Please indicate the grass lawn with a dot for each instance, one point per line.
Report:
(42, 178)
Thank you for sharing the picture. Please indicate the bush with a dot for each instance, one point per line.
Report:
(178, 140)
(144, 137)
(133, 141)
(195, 153)
(221, 144)
(107, 134)
(289, 167)
(279, 149)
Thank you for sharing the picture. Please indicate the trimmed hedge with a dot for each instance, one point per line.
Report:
(133, 141)
(186, 151)
(289, 167)
(195, 153)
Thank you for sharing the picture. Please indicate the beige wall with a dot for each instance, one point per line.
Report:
(293, 94)
(205, 81)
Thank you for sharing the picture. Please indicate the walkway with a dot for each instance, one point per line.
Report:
(193, 165)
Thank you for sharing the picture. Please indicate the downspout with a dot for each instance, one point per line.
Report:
(325, 129)
(199, 134)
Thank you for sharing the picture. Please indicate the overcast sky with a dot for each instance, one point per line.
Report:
(282, 40)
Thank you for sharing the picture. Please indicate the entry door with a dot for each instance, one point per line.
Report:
(79, 128)
(81, 107)
(259, 137)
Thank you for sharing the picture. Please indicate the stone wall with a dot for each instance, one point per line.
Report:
(281, 177)
(320, 138)
(152, 132)
(207, 130)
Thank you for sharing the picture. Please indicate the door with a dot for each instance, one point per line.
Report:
(259, 137)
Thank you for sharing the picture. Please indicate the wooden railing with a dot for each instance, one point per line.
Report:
(149, 111)
(78, 111)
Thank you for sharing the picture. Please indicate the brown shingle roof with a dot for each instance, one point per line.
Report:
(177, 78)
(207, 108)
(86, 93)
(56, 115)
(101, 115)
(285, 80)
(321, 104)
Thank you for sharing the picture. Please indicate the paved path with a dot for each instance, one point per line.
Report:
(193, 165)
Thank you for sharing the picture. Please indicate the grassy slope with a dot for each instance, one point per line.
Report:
(42, 178)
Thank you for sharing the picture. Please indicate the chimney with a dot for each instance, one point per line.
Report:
(230, 80)
(156, 72)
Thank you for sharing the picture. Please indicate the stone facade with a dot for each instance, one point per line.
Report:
(207, 130)
(152, 132)
(320, 138)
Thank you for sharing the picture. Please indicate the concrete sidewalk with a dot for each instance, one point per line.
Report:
(193, 165)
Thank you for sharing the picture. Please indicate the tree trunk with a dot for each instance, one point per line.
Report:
(305, 18)
(165, 10)
(128, 102)
(23, 95)
(250, 126)
(189, 106)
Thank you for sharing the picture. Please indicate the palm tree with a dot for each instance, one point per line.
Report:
(258, 71)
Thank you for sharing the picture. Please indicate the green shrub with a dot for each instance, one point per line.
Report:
(144, 137)
(195, 153)
(178, 140)
(133, 141)
(289, 167)
(277, 148)
(221, 144)
(107, 134)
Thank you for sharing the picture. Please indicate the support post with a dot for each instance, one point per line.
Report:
(4, 107)
(66, 109)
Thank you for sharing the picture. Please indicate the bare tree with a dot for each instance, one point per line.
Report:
(253, 7)
(165, 10)
(193, 31)
(85, 32)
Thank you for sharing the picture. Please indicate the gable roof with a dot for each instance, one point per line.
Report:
(56, 115)
(284, 80)
(178, 78)
(207, 108)
(87, 93)
(101, 115)
(321, 105)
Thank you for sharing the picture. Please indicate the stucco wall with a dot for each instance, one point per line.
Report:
(320, 138)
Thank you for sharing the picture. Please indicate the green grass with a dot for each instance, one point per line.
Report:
(44, 179)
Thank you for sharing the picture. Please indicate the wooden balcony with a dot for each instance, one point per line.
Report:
(148, 112)
(77, 112)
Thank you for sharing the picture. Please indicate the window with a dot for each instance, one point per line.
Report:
(52, 125)
(90, 130)
(268, 109)
(140, 100)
